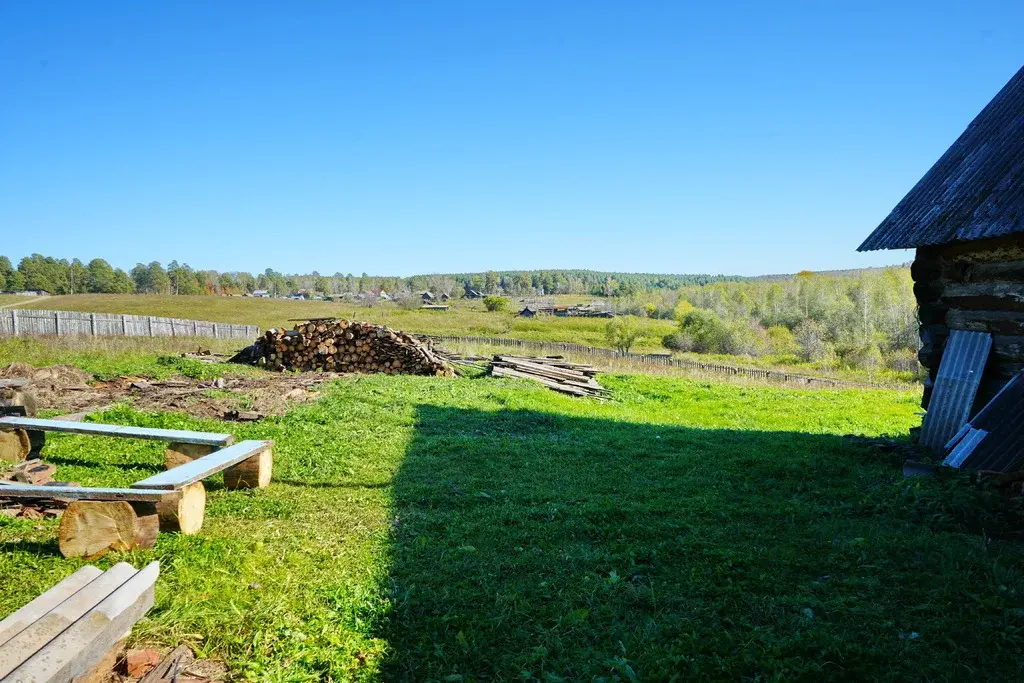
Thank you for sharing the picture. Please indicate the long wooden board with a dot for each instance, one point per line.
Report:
(203, 467)
(94, 429)
(90, 637)
(33, 611)
(30, 640)
(80, 493)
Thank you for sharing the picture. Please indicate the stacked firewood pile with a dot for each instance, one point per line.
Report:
(553, 372)
(332, 345)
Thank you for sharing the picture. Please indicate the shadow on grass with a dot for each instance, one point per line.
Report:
(331, 485)
(41, 548)
(535, 546)
(79, 462)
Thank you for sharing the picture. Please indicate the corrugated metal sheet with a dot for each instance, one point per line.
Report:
(995, 440)
(965, 447)
(955, 386)
(975, 191)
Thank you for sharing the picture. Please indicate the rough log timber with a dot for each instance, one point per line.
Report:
(348, 346)
(976, 286)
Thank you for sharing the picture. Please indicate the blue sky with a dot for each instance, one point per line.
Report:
(404, 137)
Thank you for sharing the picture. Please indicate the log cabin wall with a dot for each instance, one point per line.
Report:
(978, 286)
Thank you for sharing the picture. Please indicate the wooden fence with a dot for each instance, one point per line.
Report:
(659, 359)
(65, 323)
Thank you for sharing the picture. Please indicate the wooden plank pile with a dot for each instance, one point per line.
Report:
(75, 630)
(554, 372)
(332, 345)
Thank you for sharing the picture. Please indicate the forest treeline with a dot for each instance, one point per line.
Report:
(60, 276)
(860, 319)
(863, 318)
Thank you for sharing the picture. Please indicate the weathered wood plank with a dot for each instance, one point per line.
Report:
(200, 469)
(29, 641)
(94, 429)
(984, 295)
(33, 611)
(80, 493)
(88, 639)
(996, 322)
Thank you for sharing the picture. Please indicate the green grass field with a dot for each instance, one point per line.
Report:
(491, 530)
(8, 299)
(468, 318)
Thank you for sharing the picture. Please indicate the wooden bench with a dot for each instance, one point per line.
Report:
(182, 445)
(100, 519)
(245, 465)
(75, 630)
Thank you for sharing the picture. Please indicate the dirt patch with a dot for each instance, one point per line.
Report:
(54, 376)
(67, 389)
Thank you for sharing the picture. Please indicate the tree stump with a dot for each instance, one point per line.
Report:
(252, 473)
(183, 510)
(90, 528)
(15, 445)
(180, 453)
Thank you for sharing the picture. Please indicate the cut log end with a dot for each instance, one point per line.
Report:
(253, 473)
(91, 528)
(183, 510)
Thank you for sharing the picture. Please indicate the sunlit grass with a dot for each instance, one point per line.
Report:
(483, 529)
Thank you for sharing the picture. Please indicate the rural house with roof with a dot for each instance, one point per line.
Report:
(965, 218)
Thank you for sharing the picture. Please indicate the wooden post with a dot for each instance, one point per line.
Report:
(195, 328)
(149, 325)
(183, 510)
(92, 324)
(124, 326)
(215, 330)
(14, 322)
(56, 323)
(181, 453)
(253, 473)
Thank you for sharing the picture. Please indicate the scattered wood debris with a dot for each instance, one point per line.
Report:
(347, 346)
(554, 372)
(34, 472)
(242, 416)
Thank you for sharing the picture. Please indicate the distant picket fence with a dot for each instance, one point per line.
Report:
(31, 322)
(544, 347)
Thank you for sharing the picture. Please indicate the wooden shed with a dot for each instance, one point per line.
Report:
(965, 218)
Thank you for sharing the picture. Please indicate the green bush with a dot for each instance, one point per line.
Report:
(707, 330)
(496, 303)
(678, 341)
(622, 332)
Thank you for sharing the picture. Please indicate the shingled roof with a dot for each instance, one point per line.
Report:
(975, 191)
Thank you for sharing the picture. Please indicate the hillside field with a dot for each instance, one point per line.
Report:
(467, 317)
(477, 529)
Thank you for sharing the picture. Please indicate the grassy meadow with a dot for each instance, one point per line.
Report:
(482, 529)
(8, 299)
(467, 317)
